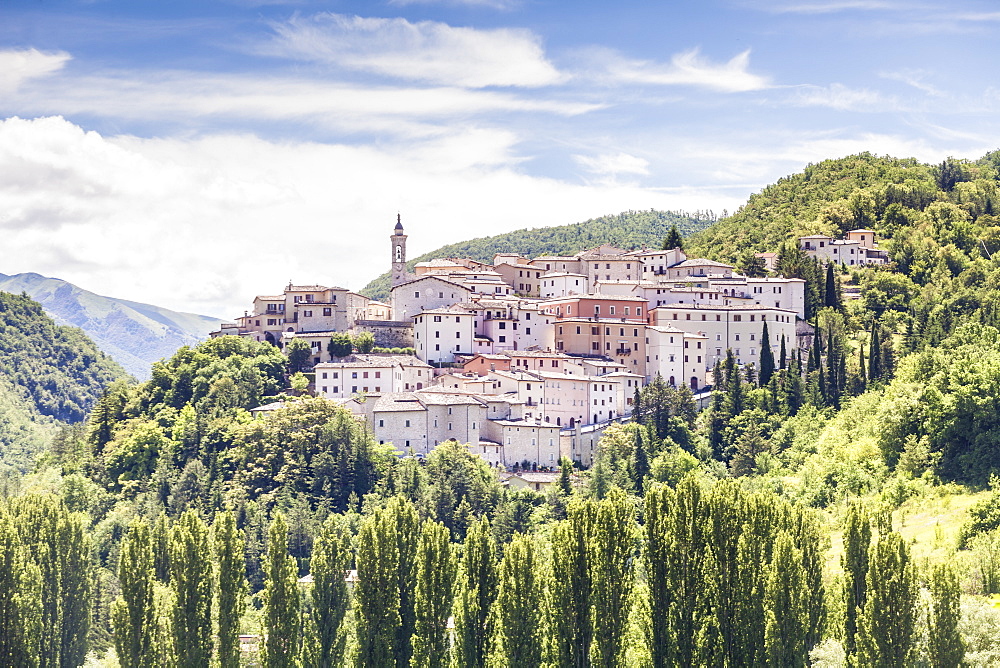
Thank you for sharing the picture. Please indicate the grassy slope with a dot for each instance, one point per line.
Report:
(631, 229)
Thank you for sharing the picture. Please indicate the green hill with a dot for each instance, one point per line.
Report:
(134, 334)
(49, 374)
(889, 195)
(630, 229)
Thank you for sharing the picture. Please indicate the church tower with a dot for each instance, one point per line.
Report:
(398, 240)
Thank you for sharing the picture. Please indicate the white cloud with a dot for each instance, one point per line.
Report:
(191, 98)
(831, 7)
(611, 165)
(426, 51)
(204, 224)
(839, 96)
(492, 4)
(19, 66)
(915, 79)
(689, 68)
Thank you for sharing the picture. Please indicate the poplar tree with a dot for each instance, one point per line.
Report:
(610, 545)
(20, 599)
(133, 614)
(857, 539)
(191, 581)
(329, 563)
(58, 543)
(766, 357)
(384, 595)
(281, 599)
(786, 603)
(886, 626)
(230, 586)
(571, 585)
(944, 642)
(518, 635)
(436, 572)
(476, 593)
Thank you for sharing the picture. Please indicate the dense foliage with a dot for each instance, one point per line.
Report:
(48, 374)
(630, 229)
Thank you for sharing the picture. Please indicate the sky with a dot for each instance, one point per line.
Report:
(193, 154)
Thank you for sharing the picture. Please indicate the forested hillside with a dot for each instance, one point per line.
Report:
(134, 334)
(839, 505)
(49, 374)
(631, 229)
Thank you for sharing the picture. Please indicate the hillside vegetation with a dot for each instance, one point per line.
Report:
(48, 374)
(134, 334)
(631, 229)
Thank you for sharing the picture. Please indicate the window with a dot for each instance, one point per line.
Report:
(378, 374)
(354, 374)
(381, 423)
(407, 424)
(612, 310)
(364, 374)
(324, 375)
(437, 318)
(327, 311)
(336, 388)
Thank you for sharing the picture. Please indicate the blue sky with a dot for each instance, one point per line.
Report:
(193, 154)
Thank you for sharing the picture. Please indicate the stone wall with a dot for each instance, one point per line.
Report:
(387, 333)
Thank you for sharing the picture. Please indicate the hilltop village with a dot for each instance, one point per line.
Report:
(529, 360)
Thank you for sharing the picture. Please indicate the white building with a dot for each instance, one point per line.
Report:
(371, 374)
(440, 334)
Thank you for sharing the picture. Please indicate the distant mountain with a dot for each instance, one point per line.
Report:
(49, 375)
(631, 229)
(134, 334)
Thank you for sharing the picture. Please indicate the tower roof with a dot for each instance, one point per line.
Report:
(399, 224)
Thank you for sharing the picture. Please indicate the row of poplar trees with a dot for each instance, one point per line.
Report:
(712, 575)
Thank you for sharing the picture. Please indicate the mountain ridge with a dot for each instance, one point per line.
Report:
(135, 334)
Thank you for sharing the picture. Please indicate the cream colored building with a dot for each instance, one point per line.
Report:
(440, 334)
(371, 374)
(426, 293)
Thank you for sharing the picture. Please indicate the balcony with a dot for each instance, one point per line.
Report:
(623, 351)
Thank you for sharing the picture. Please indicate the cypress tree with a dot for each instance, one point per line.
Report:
(518, 634)
(191, 580)
(783, 355)
(830, 292)
(857, 539)
(886, 626)
(476, 593)
(639, 462)
(133, 613)
(673, 239)
(766, 357)
(281, 599)
(230, 587)
(875, 355)
(565, 481)
(944, 642)
(436, 571)
(329, 562)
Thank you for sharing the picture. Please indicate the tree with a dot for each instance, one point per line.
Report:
(517, 613)
(766, 357)
(298, 353)
(386, 559)
(944, 642)
(786, 603)
(281, 600)
(340, 345)
(133, 614)
(230, 586)
(673, 239)
(476, 592)
(831, 292)
(752, 265)
(191, 580)
(610, 547)
(857, 539)
(364, 342)
(331, 598)
(886, 625)
(436, 570)
(20, 599)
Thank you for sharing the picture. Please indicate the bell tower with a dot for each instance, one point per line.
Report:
(398, 240)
